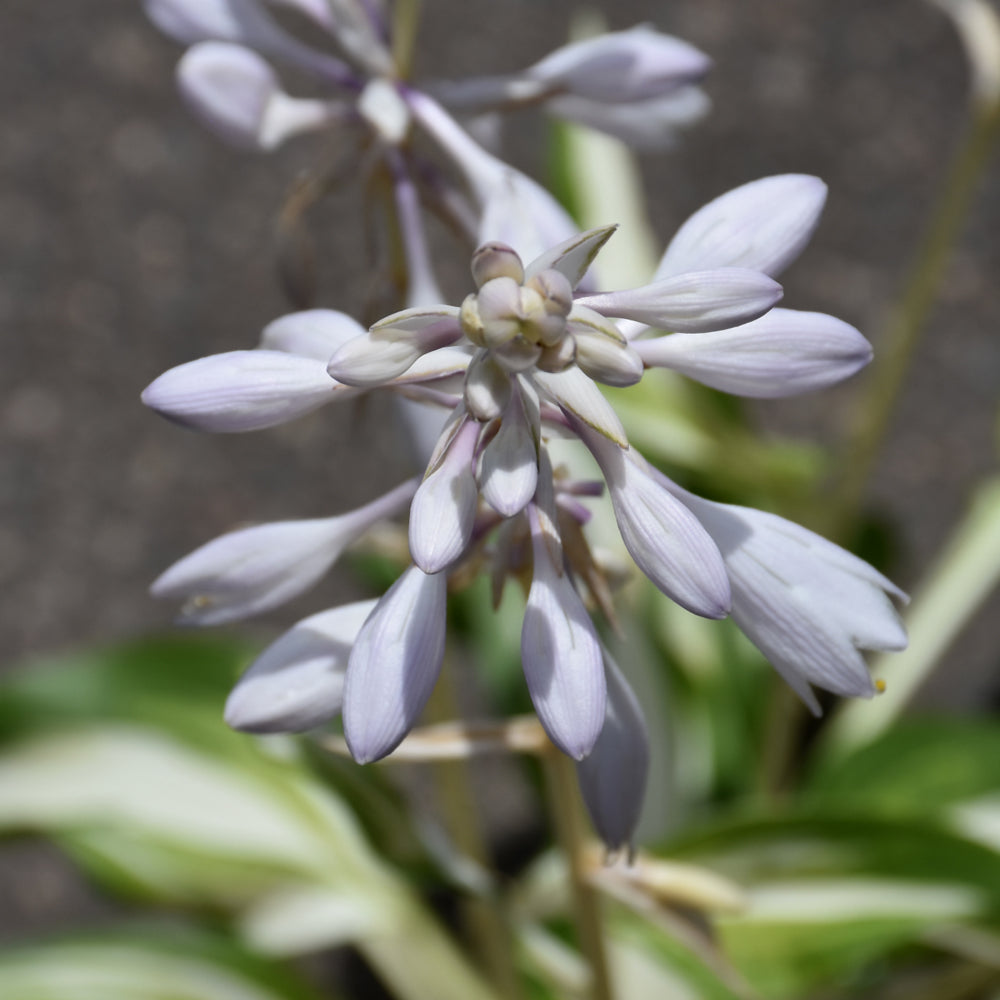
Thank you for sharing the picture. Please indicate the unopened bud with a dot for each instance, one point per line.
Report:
(555, 288)
(472, 324)
(558, 357)
(496, 260)
(487, 387)
(499, 302)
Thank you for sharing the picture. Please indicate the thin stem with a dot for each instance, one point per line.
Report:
(421, 286)
(485, 917)
(404, 36)
(896, 346)
(570, 831)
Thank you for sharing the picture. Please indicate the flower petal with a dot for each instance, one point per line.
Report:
(236, 94)
(561, 656)
(251, 570)
(613, 778)
(762, 225)
(576, 392)
(242, 391)
(621, 66)
(394, 664)
(444, 508)
(782, 353)
(694, 301)
(509, 472)
(667, 542)
(312, 333)
(644, 125)
(387, 351)
(244, 22)
(297, 683)
(807, 604)
(573, 256)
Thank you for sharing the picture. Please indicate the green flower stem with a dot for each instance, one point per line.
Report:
(567, 818)
(485, 918)
(404, 36)
(895, 348)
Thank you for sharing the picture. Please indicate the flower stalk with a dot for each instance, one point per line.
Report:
(567, 819)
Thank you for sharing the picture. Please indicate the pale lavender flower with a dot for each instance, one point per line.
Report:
(638, 84)
(807, 604)
(297, 683)
(613, 778)
(252, 570)
(560, 653)
(394, 663)
(518, 363)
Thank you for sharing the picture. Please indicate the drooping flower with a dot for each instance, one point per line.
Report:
(518, 363)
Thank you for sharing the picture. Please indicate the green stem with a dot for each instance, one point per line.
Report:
(485, 918)
(571, 833)
(896, 346)
(404, 36)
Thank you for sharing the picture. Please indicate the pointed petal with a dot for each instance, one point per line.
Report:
(783, 353)
(622, 66)
(242, 391)
(386, 351)
(312, 333)
(804, 602)
(694, 301)
(394, 664)
(573, 256)
(613, 778)
(487, 388)
(561, 657)
(602, 352)
(574, 391)
(417, 319)
(763, 225)
(444, 508)
(237, 96)
(297, 683)
(435, 365)
(644, 125)
(251, 570)
(667, 542)
(510, 462)
(244, 22)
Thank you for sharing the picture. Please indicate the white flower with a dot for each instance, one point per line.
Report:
(394, 664)
(297, 683)
(252, 570)
(807, 604)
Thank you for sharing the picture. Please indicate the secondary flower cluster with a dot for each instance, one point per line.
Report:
(515, 366)
(639, 85)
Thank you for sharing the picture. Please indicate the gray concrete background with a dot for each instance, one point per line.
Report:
(131, 241)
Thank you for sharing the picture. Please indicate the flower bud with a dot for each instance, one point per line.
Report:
(496, 260)
(499, 303)
(487, 387)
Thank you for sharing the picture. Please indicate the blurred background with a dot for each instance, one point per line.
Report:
(131, 240)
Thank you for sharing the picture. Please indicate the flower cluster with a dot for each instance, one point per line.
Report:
(639, 85)
(517, 365)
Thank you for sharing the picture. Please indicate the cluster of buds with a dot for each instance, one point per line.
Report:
(514, 368)
(639, 85)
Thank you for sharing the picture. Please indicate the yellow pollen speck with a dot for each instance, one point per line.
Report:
(880, 686)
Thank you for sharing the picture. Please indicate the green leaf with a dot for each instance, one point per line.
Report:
(829, 892)
(918, 766)
(145, 965)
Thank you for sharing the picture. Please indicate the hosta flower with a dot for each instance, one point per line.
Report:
(518, 363)
(639, 84)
